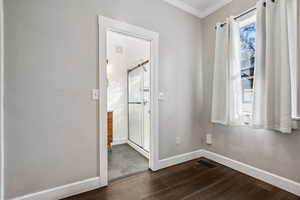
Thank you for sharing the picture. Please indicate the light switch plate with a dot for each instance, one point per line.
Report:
(161, 96)
(95, 94)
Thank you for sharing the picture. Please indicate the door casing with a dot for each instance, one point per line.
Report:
(105, 25)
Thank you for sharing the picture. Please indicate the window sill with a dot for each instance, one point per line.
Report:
(295, 123)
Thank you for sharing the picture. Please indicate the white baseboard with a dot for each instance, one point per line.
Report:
(64, 191)
(167, 162)
(138, 149)
(119, 141)
(273, 179)
(94, 183)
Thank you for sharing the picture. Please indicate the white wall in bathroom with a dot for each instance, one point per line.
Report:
(146, 144)
(123, 53)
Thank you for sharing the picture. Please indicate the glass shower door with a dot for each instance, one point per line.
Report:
(136, 106)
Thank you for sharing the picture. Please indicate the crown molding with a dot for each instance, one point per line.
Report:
(183, 6)
(196, 12)
(214, 8)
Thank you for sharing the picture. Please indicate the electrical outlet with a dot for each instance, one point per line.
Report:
(209, 139)
(178, 140)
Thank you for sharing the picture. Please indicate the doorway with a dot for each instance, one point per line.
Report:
(128, 104)
(141, 114)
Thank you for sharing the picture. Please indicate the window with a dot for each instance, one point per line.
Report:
(247, 59)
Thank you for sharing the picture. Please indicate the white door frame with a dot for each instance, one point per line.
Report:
(1, 102)
(107, 24)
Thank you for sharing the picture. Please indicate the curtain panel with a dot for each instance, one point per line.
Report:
(276, 96)
(275, 85)
(227, 83)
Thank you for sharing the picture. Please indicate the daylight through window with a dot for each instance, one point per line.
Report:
(247, 57)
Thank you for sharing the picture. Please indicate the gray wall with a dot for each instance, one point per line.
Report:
(268, 150)
(51, 66)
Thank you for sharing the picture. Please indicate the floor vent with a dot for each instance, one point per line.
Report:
(207, 164)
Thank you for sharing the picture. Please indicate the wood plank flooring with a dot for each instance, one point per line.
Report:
(188, 181)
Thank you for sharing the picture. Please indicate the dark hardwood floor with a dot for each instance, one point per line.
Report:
(189, 181)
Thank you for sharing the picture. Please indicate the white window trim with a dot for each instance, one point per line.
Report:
(245, 21)
(296, 118)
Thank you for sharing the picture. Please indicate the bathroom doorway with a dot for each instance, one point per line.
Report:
(137, 144)
(128, 104)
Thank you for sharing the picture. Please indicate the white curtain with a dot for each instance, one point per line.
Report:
(276, 62)
(227, 83)
(293, 16)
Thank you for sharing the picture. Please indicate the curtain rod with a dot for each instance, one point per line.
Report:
(244, 13)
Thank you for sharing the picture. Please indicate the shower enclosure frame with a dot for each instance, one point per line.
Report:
(139, 148)
(105, 25)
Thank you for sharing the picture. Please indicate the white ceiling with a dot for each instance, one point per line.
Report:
(199, 8)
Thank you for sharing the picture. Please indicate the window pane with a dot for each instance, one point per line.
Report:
(248, 45)
(247, 57)
(247, 83)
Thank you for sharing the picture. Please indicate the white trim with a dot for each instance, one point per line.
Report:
(245, 22)
(214, 8)
(119, 141)
(138, 149)
(107, 24)
(1, 102)
(296, 118)
(64, 191)
(102, 118)
(273, 179)
(167, 162)
(94, 183)
(196, 12)
(185, 7)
